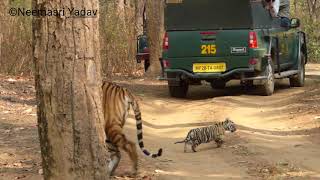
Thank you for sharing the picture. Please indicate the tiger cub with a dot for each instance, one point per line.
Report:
(207, 134)
(116, 105)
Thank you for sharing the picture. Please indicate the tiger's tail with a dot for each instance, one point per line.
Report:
(137, 114)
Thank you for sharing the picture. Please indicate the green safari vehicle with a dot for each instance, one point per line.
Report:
(222, 40)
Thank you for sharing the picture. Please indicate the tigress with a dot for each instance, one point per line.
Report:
(207, 134)
(116, 105)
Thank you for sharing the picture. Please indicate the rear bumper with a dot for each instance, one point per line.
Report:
(142, 56)
(183, 74)
(238, 67)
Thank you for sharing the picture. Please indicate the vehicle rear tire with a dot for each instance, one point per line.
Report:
(179, 91)
(218, 84)
(298, 80)
(146, 65)
(267, 87)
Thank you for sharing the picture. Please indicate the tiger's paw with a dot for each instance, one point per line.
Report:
(131, 174)
(126, 174)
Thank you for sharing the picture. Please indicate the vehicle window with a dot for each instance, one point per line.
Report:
(207, 14)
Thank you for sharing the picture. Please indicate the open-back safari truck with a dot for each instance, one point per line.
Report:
(221, 40)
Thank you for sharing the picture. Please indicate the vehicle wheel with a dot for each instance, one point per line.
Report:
(298, 80)
(218, 84)
(179, 91)
(146, 64)
(267, 87)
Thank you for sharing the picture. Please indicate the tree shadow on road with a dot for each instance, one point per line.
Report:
(239, 127)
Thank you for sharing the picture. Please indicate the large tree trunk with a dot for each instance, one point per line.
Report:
(155, 21)
(139, 10)
(68, 84)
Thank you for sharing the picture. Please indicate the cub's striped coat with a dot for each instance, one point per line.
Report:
(116, 105)
(207, 134)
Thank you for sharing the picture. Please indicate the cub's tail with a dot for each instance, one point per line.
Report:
(180, 142)
(137, 113)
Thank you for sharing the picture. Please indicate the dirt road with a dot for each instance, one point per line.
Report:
(278, 137)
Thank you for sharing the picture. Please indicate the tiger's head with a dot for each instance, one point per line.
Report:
(229, 125)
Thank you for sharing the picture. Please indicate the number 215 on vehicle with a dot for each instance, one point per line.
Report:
(210, 49)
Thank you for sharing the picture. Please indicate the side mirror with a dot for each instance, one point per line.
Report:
(295, 23)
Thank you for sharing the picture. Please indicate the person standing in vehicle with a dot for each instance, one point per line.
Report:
(284, 8)
(284, 13)
(280, 8)
(273, 7)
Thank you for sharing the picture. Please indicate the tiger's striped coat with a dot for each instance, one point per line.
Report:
(207, 134)
(116, 105)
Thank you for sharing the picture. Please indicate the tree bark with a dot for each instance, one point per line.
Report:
(4, 7)
(140, 6)
(295, 6)
(155, 29)
(68, 83)
(118, 37)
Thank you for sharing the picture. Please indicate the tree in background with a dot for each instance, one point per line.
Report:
(3, 5)
(155, 32)
(118, 37)
(120, 24)
(66, 54)
(140, 8)
(308, 11)
(15, 47)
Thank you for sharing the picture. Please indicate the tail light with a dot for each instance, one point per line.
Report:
(146, 50)
(166, 64)
(253, 61)
(253, 41)
(165, 42)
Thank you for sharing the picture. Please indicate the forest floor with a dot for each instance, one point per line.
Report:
(278, 136)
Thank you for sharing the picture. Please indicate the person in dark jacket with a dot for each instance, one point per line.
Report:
(284, 13)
